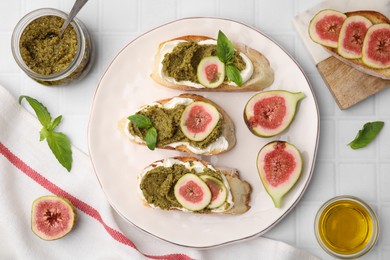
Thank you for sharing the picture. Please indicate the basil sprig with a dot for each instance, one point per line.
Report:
(58, 142)
(142, 121)
(225, 53)
(367, 134)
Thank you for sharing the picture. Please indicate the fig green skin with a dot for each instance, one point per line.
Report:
(185, 202)
(291, 98)
(323, 14)
(208, 128)
(71, 210)
(222, 194)
(202, 77)
(368, 60)
(277, 193)
(349, 47)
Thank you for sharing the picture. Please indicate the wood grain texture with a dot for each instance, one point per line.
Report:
(348, 85)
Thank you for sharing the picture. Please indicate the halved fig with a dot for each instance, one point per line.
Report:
(279, 165)
(352, 35)
(52, 217)
(269, 113)
(211, 72)
(198, 120)
(325, 27)
(218, 191)
(376, 47)
(192, 192)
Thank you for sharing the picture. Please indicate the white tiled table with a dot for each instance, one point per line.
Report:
(339, 170)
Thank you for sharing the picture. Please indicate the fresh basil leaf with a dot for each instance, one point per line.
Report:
(367, 134)
(151, 138)
(60, 146)
(40, 110)
(140, 121)
(225, 49)
(43, 134)
(233, 74)
(55, 123)
(58, 142)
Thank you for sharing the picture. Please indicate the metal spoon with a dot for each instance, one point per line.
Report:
(75, 9)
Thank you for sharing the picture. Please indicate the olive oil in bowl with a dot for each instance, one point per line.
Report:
(346, 227)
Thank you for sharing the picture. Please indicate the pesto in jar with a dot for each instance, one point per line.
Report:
(167, 123)
(43, 50)
(182, 62)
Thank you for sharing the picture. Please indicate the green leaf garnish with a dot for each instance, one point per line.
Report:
(55, 123)
(60, 145)
(151, 138)
(367, 134)
(140, 121)
(225, 53)
(58, 142)
(233, 74)
(40, 110)
(225, 49)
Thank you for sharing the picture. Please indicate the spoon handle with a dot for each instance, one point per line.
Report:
(75, 9)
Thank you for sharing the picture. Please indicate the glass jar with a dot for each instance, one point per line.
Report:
(346, 227)
(66, 58)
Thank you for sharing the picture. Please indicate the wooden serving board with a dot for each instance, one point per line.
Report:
(348, 85)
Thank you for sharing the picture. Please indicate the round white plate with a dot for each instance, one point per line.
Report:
(126, 85)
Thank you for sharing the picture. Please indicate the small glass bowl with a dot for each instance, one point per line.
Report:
(346, 227)
(79, 66)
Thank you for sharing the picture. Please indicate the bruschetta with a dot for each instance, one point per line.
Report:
(177, 65)
(192, 185)
(188, 123)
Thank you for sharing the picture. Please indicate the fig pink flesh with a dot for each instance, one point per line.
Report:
(54, 217)
(379, 46)
(213, 188)
(278, 165)
(329, 27)
(354, 37)
(191, 192)
(211, 72)
(269, 112)
(198, 119)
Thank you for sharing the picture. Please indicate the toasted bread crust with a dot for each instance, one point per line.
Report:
(263, 74)
(240, 189)
(228, 129)
(375, 18)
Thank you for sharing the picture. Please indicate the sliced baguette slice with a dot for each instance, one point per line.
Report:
(262, 77)
(375, 18)
(240, 190)
(228, 129)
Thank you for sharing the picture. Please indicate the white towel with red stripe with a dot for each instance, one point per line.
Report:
(28, 170)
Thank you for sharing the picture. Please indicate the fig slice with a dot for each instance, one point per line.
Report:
(352, 35)
(211, 72)
(269, 113)
(198, 120)
(279, 165)
(52, 217)
(376, 47)
(325, 27)
(192, 192)
(218, 191)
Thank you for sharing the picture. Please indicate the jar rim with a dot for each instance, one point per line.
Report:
(375, 223)
(25, 21)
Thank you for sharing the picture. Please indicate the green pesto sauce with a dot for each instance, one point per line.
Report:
(158, 184)
(167, 124)
(182, 63)
(41, 48)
